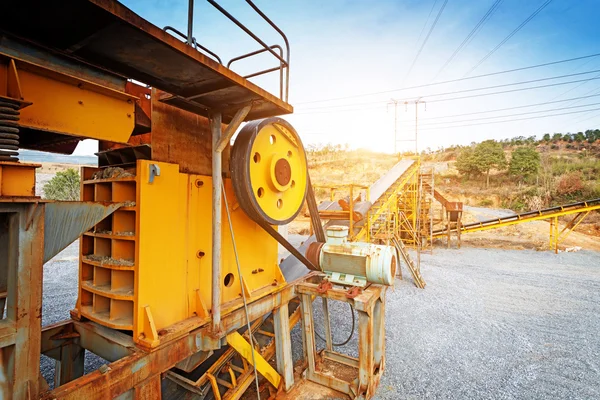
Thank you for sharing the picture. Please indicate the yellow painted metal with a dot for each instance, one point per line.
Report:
(273, 143)
(383, 216)
(66, 104)
(237, 341)
(539, 217)
(17, 179)
(169, 252)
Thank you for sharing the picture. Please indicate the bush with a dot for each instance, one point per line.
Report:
(569, 184)
(64, 186)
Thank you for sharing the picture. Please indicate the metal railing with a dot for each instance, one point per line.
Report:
(284, 60)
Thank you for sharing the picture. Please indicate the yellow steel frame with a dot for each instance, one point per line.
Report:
(58, 102)
(388, 209)
(169, 246)
(555, 236)
(241, 345)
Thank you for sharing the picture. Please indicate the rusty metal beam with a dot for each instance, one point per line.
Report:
(227, 134)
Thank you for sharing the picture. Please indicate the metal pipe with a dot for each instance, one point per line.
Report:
(253, 53)
(190, 34)
(217, 178)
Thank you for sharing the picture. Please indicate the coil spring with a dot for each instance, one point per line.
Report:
(9, 130)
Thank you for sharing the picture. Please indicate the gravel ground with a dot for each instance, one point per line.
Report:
(59, 297)
(490, 324)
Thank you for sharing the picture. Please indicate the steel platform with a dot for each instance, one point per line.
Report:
(108, 35)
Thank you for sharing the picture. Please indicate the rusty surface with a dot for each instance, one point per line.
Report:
(283, 171)
(353, 292)
(21, 250)
(324, 286)
(313, 253)
(94, 32)
(183, 138)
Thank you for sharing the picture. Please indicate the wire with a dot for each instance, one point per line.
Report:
(426, 22)
(470, 36)
(345, 342)
(510, 115)
(239, 270)
(478, 89)
(453, 80)
(511, 120)
(439, 14)
(510, 108)
(510, 35)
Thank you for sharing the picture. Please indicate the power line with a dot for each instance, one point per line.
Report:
(512, 120)
(510, 35)
(509, 115)
(471, 90)
(452, 80)
(426, 38)
(511, 108)
(509, 91)
(471, 35)
(426, 22)
(455, 98)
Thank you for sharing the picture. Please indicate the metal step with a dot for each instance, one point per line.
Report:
(414, 269)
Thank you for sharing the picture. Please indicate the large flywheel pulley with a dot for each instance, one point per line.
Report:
(269, 171)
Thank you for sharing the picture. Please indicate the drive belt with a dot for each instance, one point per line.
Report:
(316, 223)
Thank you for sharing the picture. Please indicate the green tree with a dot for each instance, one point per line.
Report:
(546, 137)
(63, 186)
(466, 164)
(481, 159)
(557, 137)
(524, 162)
(489, 155)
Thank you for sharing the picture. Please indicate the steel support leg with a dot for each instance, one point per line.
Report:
(217, 178)
(308, 333)
(365, 351)
(283, 345)
(379, 333)
(327, 324)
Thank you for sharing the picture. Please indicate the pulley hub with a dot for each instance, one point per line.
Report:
(269, 171)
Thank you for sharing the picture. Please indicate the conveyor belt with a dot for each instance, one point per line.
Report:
(546, 213)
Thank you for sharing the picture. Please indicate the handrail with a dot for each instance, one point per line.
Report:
(193, 42)
(285, 39)
(265, 71)
(283, 63)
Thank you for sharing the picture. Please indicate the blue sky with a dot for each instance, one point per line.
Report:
(342, 48)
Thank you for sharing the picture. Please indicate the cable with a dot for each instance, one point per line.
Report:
(426, 39)
(471, 34)
(510, 115)
(453, 80)
(426, 21)
(477, 89)
(506, 39)
(345, 342)
(239, 270)
(510, 91)
(510, 108)
(512, 120)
